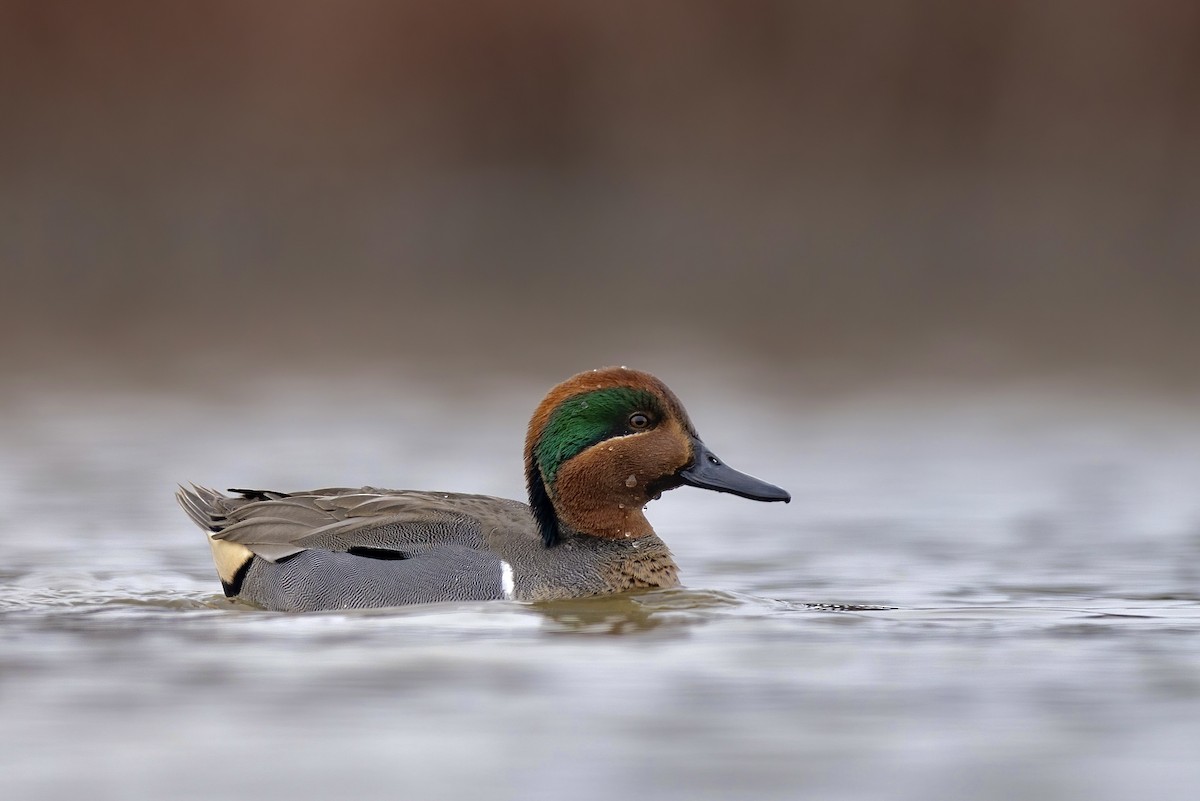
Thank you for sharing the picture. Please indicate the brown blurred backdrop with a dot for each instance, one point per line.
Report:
(828, 188)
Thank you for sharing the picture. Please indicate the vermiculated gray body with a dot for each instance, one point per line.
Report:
(332, 580)
(361, 548)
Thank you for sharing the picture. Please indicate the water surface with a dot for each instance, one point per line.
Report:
(972, 596)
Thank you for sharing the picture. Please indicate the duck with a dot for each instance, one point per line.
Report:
(600, 446)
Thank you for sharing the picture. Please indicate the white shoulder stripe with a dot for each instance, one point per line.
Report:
(506, 580)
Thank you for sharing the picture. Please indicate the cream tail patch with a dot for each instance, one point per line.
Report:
(229, 557)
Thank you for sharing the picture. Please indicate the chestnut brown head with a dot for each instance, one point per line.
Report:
(604, 443)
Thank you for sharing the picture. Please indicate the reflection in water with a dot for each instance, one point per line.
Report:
(622, 615)
(653, 609)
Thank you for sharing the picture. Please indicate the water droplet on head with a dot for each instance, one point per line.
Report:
(631, 481)
(620, 506)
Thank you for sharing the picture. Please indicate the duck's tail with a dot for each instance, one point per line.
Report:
(209, 510)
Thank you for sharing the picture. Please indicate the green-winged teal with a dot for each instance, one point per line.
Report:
(600, 447)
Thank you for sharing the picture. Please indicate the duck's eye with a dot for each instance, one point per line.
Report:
(639, 421)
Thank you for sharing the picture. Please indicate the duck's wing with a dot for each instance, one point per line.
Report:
(376, 523)
(340, 548)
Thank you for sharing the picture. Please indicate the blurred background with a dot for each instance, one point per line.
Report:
(832, 192)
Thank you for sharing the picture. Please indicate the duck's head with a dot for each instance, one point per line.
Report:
(605, 443)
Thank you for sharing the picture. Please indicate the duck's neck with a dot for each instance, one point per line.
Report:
(576, 508)
(560, 520)
(606, 521)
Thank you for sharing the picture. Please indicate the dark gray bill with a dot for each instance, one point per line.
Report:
(709, 472)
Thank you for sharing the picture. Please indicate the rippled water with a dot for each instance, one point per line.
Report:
(971, 597)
